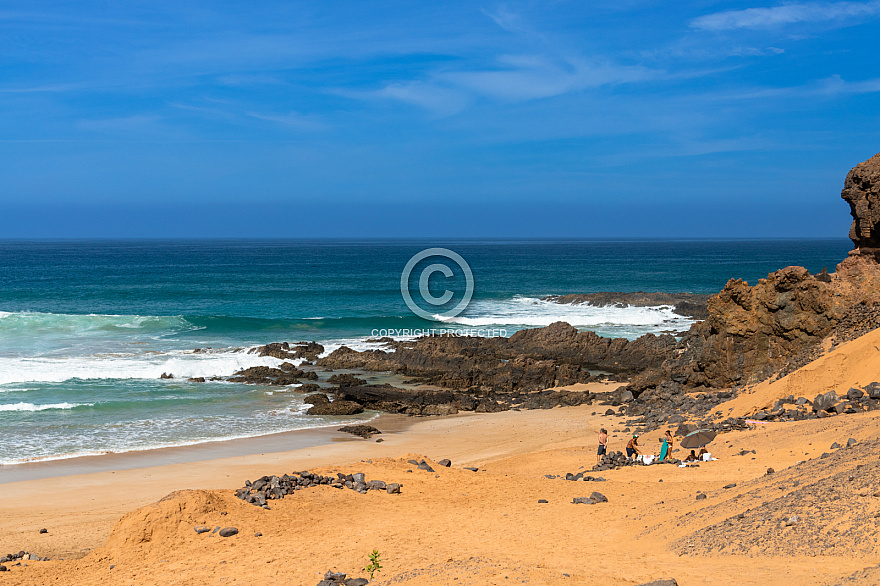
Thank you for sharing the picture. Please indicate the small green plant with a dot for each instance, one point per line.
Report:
(375, 564)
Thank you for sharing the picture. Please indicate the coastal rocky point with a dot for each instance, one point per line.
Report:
(745, 334)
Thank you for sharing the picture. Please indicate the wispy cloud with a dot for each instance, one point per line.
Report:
(292, 120)
(528, 77)
(836, 85)
(757, 18)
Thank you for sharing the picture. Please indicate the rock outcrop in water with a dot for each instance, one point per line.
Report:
(692, 305)
(530, 360)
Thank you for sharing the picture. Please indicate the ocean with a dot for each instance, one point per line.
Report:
(88, 327)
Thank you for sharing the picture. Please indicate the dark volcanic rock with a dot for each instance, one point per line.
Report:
(316, 399)
(529, 360)
(364, 431)
(337, 407)
(228, 532)
(687, 304)
(286, 351)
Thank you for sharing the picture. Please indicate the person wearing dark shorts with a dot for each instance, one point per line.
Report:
(632, 447)
(603, 445)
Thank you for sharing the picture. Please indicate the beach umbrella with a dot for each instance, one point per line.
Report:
(697, 439)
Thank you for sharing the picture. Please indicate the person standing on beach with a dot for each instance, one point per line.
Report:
(632, 447)
(603, 445)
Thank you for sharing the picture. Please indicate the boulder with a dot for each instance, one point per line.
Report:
(316, 399)
(364, 431)
(337, 407)
(825, 401)
(854, 393)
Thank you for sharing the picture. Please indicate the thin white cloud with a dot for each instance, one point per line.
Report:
(534, 77)
(757, 18)
(836, 85)
(293, 120)
(438, 99)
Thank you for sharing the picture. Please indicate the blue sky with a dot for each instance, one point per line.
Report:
(633, 118)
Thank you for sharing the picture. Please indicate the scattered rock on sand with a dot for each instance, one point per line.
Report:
(599, 497)
(583, 500)
(44, 530)
(445, 463)
(701, 497)
(228, 532)
(201, 528)
(664, 582)
(364, 431)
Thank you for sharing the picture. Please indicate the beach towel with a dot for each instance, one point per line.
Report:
(664, 450)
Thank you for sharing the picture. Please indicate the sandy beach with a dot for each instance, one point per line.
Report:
(452, 526)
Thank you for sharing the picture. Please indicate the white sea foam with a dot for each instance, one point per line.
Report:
(32, 407)
(534, 312)
(145, 366)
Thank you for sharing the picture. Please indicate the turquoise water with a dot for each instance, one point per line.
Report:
(87, 328)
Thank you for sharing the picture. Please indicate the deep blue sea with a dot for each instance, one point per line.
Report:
(87, 327)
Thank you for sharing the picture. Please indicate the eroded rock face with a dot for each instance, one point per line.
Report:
(861, 191)
(752, 331)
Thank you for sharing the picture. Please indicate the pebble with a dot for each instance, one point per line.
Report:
(258, 534)
(228, 532)
(732, 485)
(543, 501)
(771, 471)
(701, 497)
(471, 469)
(201, 529)
(445, 463)
(44, 531)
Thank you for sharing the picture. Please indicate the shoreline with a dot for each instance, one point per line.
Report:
(272, 443)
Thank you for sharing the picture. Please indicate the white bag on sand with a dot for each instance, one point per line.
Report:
(707, 457)
(648, 459)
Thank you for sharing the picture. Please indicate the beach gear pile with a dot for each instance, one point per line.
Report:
(615, 460)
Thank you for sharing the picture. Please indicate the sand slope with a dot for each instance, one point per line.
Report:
(853, 364)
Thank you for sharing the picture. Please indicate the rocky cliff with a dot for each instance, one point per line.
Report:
(861, 191)
(752, 332)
